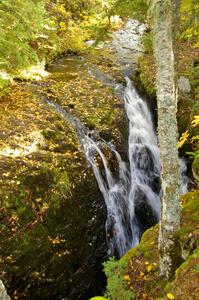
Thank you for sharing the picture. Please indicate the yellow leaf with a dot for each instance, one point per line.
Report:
(127, 277)
(141, 274)
(62, 26)
(195, 138)
(170, 296)
(195, 121)
(149, 268)
(183, 139)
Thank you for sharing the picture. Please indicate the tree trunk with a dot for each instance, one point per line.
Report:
(169, 244)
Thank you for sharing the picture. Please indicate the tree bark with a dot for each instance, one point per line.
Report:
(169, 244)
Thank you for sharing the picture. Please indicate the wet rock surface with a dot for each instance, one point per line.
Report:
(127, 45)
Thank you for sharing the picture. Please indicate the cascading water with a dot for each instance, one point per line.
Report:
(132, 190)
(144, 194)
(137, 188)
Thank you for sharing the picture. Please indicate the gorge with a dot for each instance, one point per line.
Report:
(60, 252)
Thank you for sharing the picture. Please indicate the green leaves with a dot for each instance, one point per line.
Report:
(20, 22)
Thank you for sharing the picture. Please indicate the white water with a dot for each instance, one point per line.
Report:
(133, 195)
(134, 185)
(143, 157)
(132, 190)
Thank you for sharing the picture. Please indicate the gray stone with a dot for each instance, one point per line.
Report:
(184, 85)
(3, 292)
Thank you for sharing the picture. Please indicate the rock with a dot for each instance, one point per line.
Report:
(184, 85)
(90, 43)
(127, 44)
(3, 292)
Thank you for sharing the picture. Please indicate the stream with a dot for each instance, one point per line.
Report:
(132, 192)
(100, 133)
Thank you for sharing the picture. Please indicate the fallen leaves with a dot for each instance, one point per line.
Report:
(56, 240)
(127, 277)
(170, 296)
(149, 268)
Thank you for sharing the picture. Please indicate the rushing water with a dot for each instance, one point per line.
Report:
(132, 190)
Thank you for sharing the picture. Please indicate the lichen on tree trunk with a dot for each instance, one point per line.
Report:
(169, 246)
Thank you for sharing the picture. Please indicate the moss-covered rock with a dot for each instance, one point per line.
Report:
(139, 268)
(195, 168)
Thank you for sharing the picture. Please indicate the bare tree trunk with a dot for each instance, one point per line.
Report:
(169, 244)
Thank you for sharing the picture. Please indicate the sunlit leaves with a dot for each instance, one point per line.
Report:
(127, 277)
(170, 296)
(183, 139)
(189, 18)
(62, 26)
(149, 268)
(195, 121)
(20, 22)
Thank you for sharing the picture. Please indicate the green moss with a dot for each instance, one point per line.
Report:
(185, 284)
(148, 242)
(183, 266)
(195, 167)
(53, 135)
(141, 263)
(190, 207)
(144, 78)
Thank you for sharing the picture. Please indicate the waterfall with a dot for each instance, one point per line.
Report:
(136, 188)
(131, 190)
(144, 160)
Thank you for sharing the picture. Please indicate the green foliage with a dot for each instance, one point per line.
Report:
(20, 24)
(189, 20)
(32, 31)
(147, 42)
(4, 86)
(127, 8)
(117, 286)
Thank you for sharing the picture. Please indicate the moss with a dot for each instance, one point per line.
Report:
(141, 263)
(190, 208)
(185, 285)
(144, 78)
(53, 135)
(195, 168)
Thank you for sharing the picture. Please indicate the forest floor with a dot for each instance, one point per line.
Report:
(50, 203)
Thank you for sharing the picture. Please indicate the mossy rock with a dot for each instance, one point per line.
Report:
(139, 267)
(195, 168)
(185, 285)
